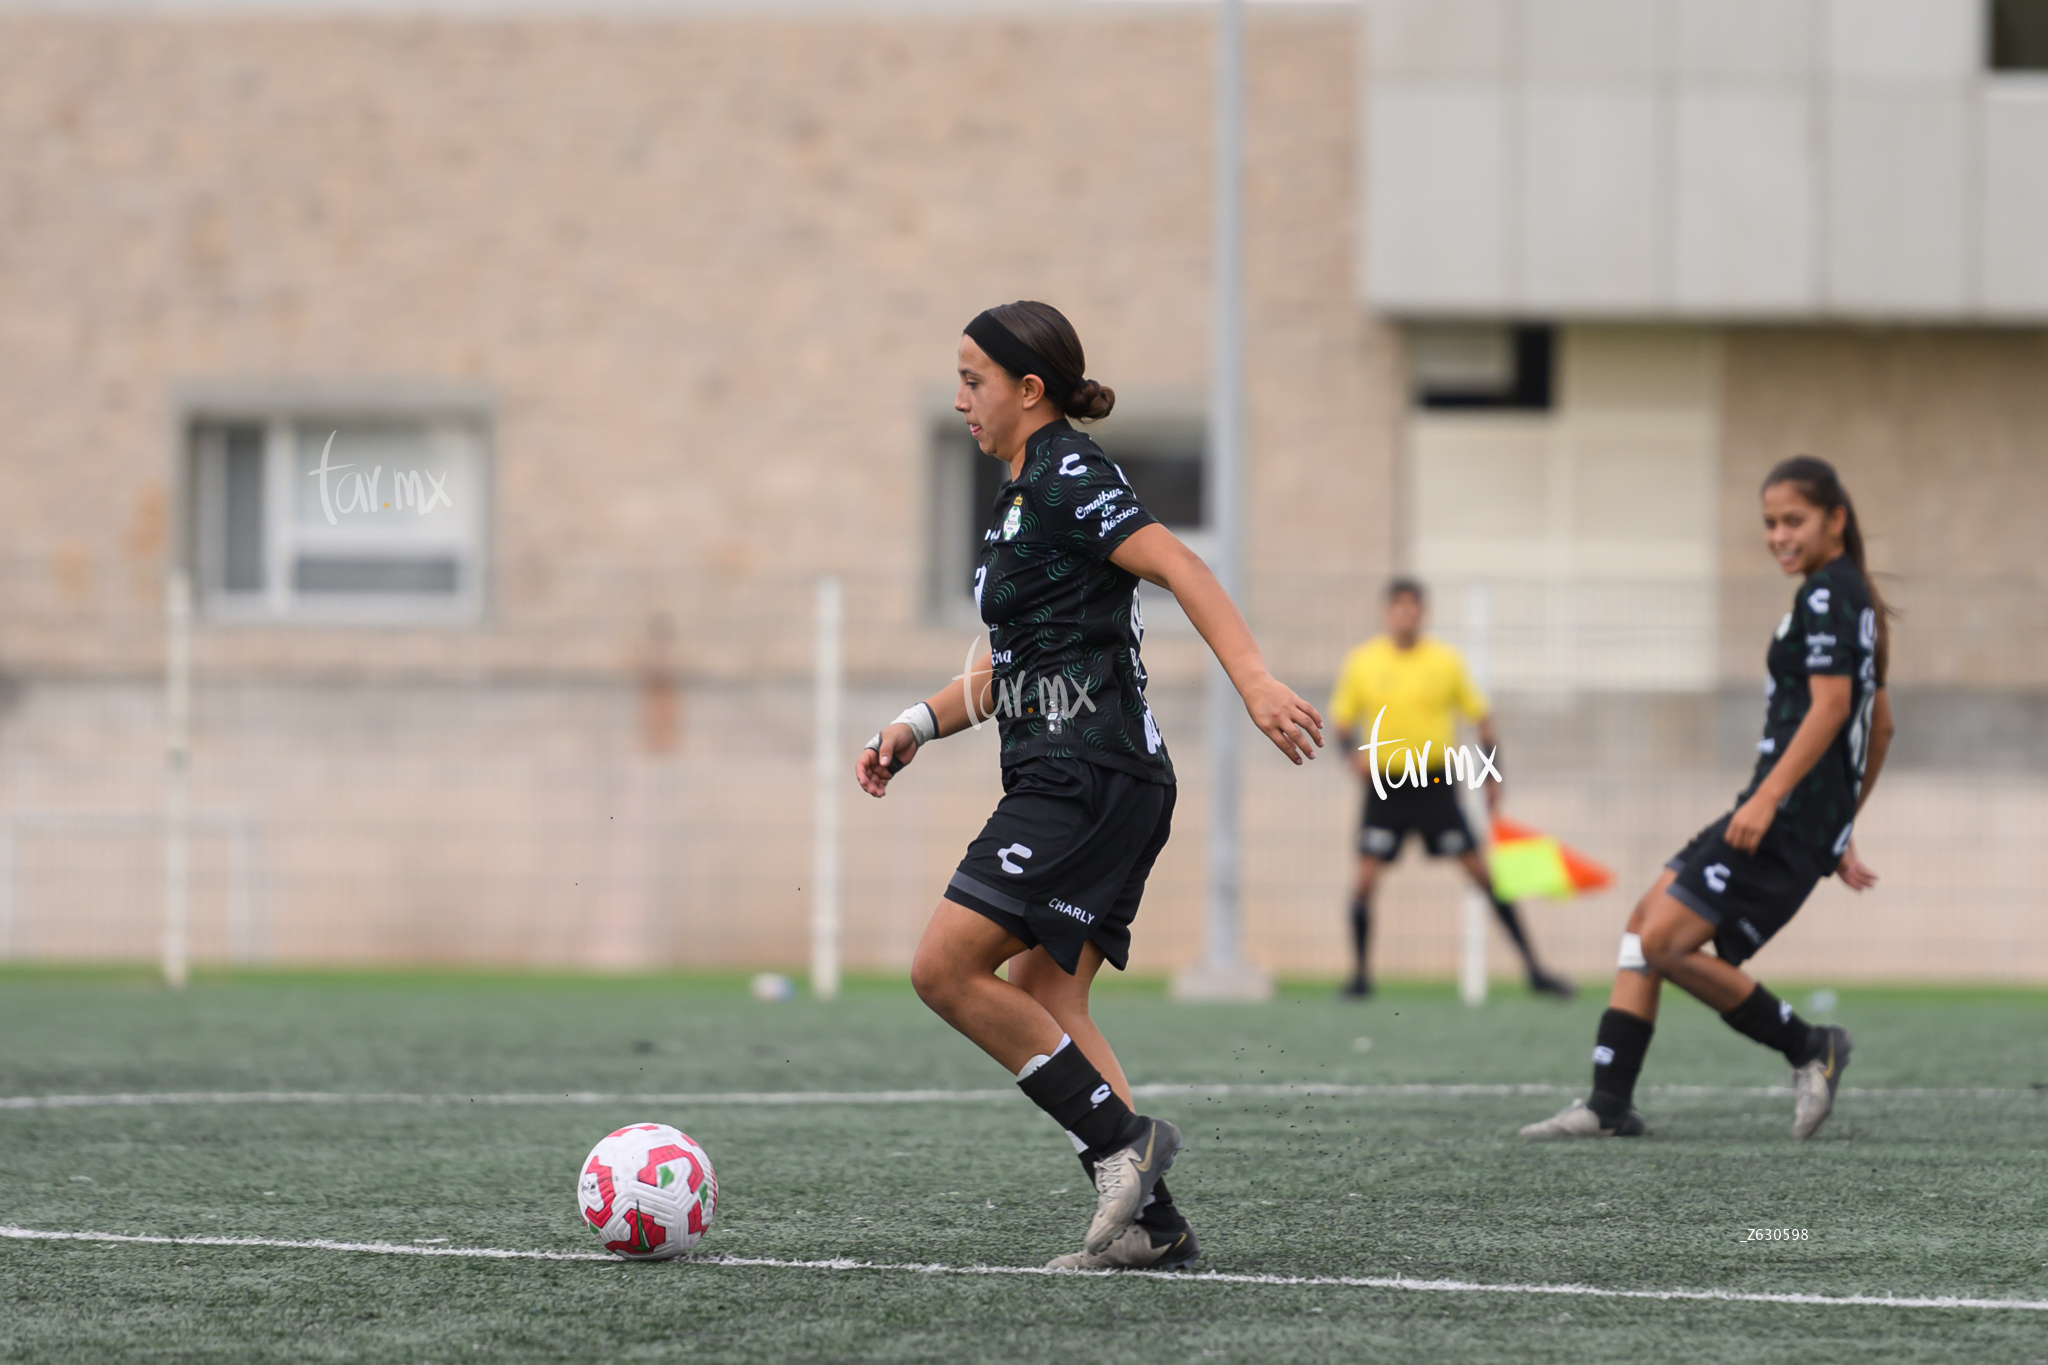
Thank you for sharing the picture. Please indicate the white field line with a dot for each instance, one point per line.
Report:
(1171, 1276)
(810, 1097)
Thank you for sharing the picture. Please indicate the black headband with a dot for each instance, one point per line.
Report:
(1000, 344)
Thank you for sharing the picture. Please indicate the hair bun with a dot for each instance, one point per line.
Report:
(1091, 401)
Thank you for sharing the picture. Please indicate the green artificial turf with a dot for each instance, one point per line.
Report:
(1902, 1193)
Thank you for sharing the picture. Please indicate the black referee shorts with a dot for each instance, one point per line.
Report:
(1432, 812)
(1747, 897)
(1063, 859)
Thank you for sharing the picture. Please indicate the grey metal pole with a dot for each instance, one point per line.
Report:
(177, 777)
(1223, 973)
(829, 687)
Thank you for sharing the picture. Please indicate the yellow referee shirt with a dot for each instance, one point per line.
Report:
(1419, 687)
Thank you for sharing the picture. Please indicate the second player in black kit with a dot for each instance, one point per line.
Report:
(1831, 631)
(1739, 881)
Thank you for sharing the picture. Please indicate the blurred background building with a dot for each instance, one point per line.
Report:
(504, 379)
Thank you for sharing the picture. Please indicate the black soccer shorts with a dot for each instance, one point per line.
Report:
(1063, 859)
(1747, 897)
(1432, 812)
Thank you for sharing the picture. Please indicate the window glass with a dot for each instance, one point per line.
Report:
(2019, 35)
(360, 517)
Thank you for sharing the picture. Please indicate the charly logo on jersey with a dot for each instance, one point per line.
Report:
(1070, 465)
(1817, 601)
(1013, 518)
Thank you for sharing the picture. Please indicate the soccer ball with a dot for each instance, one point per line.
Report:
(648, 1192)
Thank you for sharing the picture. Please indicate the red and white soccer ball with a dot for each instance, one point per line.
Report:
(648, 1192)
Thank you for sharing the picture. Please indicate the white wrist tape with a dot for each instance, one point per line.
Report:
(924, 726)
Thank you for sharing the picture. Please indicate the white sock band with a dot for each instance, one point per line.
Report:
(1631, 958)
(1042, 1058)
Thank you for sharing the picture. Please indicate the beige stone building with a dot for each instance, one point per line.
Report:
(646, 313)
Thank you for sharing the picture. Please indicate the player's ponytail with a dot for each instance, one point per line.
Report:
(1818, 484)
(1045, 331)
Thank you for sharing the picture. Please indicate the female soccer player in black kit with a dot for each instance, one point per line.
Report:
(1052, 882)
(1741, 879)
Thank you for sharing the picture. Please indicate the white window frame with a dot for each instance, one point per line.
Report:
(456, 420)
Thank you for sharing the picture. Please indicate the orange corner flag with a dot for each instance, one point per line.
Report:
(1527, 862)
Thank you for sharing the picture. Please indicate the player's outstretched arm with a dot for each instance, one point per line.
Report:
(1156, 555)
(897, 743)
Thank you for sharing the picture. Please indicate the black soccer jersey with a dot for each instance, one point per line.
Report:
(1831, 630)
(1064, 626)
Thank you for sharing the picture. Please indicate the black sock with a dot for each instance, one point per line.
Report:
(1510, 920)
(1361, 930)
(1770, 1021)
(1618, 1050)
(1160, 1213)
(1071, 1090)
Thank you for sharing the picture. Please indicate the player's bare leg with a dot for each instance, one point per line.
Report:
(1160, 1237)
(1360, 984)
(1065, 998)
(1672, 941)
(1540, 981)
(1624, 1038)
(1664, 940)
(954, 972)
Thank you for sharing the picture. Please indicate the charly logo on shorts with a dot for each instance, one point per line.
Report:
(1716, 877)
(1070, 910)
(1003, 856)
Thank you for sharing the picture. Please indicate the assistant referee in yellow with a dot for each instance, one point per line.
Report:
(1411, 686)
